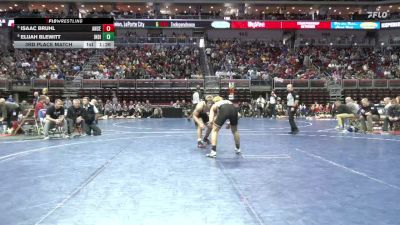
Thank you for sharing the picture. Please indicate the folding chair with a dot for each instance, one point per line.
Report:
(57, 129)
(28, 124)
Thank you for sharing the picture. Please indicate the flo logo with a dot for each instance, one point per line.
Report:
(380, 15)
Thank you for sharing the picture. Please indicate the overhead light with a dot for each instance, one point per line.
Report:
(131, 11)
(268, 7)
(94, 8)
(166, 7)
(191, 6)
(129, 6)
(390, 6)
(355, 43)
(211, 7)
(15, 5)
(287, 12)
(334, 10)
(56, 8)
(293, 7)
(101, 6)
(138, 9)
(340, 13)
(176, 9)
(50, 10)
(82, 6)
(331, 43)
(310, 7)
(249, 7)
(330, 8)
(147, 6)
(43, 6)
(10, 7)
(299, 10)
(347, 8)
(256, 10)
(382, 43)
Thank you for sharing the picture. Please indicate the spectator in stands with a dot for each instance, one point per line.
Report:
(89, 115)
(108, 109)
(9, 112)
(369, 113)
(393, 115)
(55, 117)
(177, 105)
(74, 116)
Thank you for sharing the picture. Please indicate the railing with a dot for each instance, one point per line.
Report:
(301, 84)
(345, 84)
(193, 83)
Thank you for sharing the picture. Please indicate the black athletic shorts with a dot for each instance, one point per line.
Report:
(227, 112)
(203, 116)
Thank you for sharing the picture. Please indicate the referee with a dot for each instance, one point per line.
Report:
(292, 104)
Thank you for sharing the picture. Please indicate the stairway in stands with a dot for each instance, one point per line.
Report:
(211, 85)
(335, 91)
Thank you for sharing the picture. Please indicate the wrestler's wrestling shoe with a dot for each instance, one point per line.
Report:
(212, 154)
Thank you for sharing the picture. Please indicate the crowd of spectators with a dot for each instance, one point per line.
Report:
(259, 60)
(263, 60)
(189, 13)
(30, 64)
(147, 62)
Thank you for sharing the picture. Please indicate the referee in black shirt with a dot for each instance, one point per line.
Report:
(292, 104)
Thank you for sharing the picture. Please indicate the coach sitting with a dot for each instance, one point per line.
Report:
(368, 113)
(55, 117)
(74, 116)
(351, 112)
(89, 115)
(393, 115)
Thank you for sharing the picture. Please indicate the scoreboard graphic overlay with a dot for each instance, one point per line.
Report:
(64, 33)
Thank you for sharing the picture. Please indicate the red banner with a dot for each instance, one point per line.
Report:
(303, 25)
(282, 25)
(256, 25)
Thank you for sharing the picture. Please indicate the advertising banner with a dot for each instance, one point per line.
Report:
(356, 25)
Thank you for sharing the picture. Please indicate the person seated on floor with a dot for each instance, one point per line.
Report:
(55, 116)
(368, 114)
(393, 115)
(89, 115)
(74, 116)
(108, 109)
(9, 113)
(352, 113)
